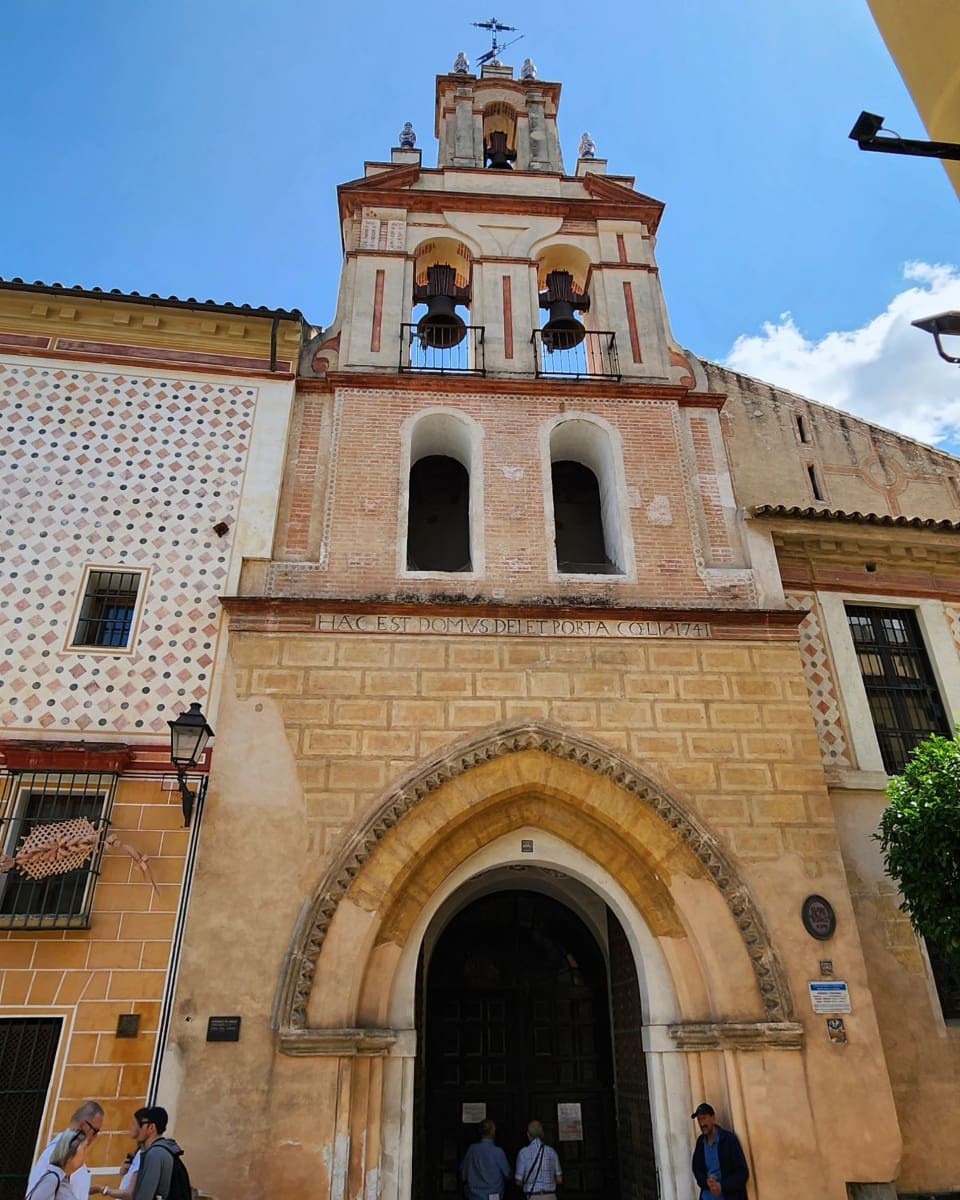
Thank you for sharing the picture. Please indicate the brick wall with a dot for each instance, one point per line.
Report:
(358, 553)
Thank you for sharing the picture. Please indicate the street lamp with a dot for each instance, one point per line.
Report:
(943, 324)
(868, 128)
(189, 735)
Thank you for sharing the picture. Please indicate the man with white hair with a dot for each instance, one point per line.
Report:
(89, 1119)
(538, 1167)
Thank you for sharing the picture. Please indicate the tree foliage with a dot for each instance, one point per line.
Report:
(920, 838)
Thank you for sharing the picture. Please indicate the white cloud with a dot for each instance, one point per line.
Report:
(887, 371)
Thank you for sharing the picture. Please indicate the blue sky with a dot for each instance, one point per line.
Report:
(193, 147)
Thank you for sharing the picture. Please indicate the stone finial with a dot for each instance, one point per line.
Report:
(408, 139)
(461, 64)
(529, 69)
(588, 147)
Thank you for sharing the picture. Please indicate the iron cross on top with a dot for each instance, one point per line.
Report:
(495, 27)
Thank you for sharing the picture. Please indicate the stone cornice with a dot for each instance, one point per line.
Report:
(635, 391)
(341, 1043)
(737, 1035)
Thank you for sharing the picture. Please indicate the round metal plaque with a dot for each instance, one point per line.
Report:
(819, 919)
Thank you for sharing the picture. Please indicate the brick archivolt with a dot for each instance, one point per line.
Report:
(530, 774)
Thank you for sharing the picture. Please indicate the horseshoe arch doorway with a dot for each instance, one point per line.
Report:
(525, 1004)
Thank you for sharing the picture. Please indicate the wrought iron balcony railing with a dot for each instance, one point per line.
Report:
(595, 357)
(463, 357)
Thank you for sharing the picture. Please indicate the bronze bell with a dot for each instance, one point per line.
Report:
(498, 153)
(563, 331)
(440, 327)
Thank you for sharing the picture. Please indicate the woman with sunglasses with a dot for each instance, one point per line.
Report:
(67, 1156)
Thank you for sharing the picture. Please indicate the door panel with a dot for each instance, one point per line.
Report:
(516, 1017)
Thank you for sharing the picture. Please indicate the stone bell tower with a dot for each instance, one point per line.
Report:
(517, 235)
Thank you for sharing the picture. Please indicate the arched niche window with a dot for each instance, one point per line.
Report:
(586, 508)
(499, 136)
(441, 287)
(440, 511)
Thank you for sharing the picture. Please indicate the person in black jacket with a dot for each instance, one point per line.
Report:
(719, 1166)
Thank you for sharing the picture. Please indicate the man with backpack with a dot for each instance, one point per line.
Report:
(162, 1173)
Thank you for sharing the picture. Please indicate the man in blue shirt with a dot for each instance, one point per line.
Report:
(485, 1169)
(719, 1165)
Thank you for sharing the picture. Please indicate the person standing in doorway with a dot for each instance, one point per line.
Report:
(538, 1167)
(485, 1169)
(719, 1165)
(89, 1120)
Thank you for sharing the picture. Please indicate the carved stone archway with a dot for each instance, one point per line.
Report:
(293, 996)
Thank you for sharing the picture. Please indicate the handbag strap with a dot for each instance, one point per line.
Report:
(41, 1179)
(533, 1171)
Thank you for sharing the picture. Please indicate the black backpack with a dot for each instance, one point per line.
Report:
(179, 1188)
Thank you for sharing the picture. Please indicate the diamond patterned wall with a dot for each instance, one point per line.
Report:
(819, 678)
(121, 471)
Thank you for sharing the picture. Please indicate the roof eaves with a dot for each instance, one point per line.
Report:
(240, 310)
(796, 512)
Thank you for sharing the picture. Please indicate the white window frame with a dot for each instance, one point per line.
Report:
(451, 433)
(597, 445)
(938, 643)
(72, 645)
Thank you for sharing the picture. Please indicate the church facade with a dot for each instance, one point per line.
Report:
(560, 680)
(544, 726)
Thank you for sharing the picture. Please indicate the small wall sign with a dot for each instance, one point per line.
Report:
(569, 1123)
(836, 1031)
(819, 919)
(472, 1112)
(128, 1025)
(223, 1029)
(829, 997)
(526, 845)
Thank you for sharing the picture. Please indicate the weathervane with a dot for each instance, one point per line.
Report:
(495, 27)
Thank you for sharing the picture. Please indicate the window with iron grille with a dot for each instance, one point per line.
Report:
(28, 1048)
(108, 609)
(901, 689)
(946, 975)
(52, 827)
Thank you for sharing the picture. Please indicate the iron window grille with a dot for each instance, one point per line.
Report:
(28, 1050)
(108, 609)
(52, 818)
(902, 692)
(946, 976)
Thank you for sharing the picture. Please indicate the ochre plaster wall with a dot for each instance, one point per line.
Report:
(922, 1052)
(119, 965)
(318, 727)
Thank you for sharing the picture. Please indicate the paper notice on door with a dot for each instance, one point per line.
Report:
(472, 1112)
(569, 1123)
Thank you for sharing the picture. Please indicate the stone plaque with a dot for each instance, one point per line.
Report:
(223, 1029)
(472, 1112)
(396, 235)
(369, 234)
(819, 919)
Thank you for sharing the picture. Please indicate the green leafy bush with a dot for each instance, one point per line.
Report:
(920, 838)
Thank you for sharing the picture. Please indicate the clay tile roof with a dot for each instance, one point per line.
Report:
(58, 289)
(837, 514)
